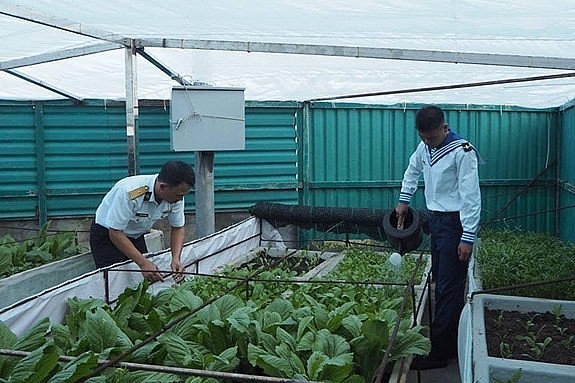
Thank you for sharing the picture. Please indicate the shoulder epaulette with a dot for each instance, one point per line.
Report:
(466, 146)
(138, 192)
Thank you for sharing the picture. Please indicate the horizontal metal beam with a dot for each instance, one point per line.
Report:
(169, 369)
(27, 14)
(43, 84)
(397, 183)
(305, 49)
(59, 55)
(446, 87)
(365, 52)
(286, 48)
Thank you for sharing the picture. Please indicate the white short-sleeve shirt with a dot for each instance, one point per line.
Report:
(130, 206)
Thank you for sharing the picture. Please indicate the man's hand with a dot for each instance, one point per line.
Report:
(401, 211)
(150, 271)
(464, 251)
(178, 268)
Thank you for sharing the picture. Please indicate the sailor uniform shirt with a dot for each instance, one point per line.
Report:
(130, 206)
(450, 174)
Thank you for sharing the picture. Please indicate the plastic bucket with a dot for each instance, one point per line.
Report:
(410, 237)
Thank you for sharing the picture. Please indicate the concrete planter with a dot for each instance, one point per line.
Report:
(475, 365)
(487, 369)
(34, 281)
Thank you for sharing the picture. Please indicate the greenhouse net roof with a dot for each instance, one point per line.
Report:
(406, 52)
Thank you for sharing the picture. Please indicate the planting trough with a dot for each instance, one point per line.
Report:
(475, 365)
(330, 261)
(487, 368)
(27, 283)
(205, 255)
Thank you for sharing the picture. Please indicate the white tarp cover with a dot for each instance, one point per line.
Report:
(226, 246)
(511, 27)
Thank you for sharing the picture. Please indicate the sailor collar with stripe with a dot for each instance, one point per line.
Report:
(452, 141)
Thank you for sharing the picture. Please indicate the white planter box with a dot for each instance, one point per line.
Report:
(487, 368)
(474, 363)
(34, 281)
(31, 282)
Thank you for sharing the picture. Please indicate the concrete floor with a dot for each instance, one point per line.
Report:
(450, 374)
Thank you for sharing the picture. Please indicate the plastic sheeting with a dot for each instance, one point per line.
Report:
(203, 255)
(465, 335)
(515, 27)
(26, 283)
(30, 282)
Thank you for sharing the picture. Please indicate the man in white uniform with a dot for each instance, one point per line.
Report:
(130, 209)
(449, 165)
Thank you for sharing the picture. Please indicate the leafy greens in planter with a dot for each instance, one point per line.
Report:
(507, 258)
(337, 333)
(16, 256)
(360, 264)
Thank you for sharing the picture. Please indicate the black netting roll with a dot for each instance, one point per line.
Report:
(333, 219)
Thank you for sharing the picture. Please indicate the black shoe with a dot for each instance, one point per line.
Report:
(427, 363)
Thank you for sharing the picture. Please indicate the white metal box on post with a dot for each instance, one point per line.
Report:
(204, 118)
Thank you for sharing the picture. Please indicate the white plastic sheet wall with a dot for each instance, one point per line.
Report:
(203, 255)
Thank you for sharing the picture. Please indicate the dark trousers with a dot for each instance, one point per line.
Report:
(104, 252)
(450, 275)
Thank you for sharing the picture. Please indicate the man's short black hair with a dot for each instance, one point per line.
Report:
(428, 118)
(175, 172)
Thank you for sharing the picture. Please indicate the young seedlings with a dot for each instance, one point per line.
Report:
(557, 311)
(506, 350)
(499, 320)
(568, 342)
(537, 348)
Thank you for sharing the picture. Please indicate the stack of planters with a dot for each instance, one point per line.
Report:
(244, 320)
(520, 322)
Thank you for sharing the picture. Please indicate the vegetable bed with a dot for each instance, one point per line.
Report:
(273, 324)
(18, 256)
(528, 352)
(526, 335)
(506, 258)
(545, 337)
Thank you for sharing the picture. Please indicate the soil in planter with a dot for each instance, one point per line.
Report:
(543, 337)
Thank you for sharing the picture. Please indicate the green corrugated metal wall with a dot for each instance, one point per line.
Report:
(356, 156)
(566, 190)
(59, 158)
(18, 171)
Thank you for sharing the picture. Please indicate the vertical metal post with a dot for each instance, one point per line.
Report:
(205, 216)
(304, 162)
(131, 108)
(42, 209)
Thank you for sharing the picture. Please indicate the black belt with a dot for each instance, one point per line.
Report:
(435, 212)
